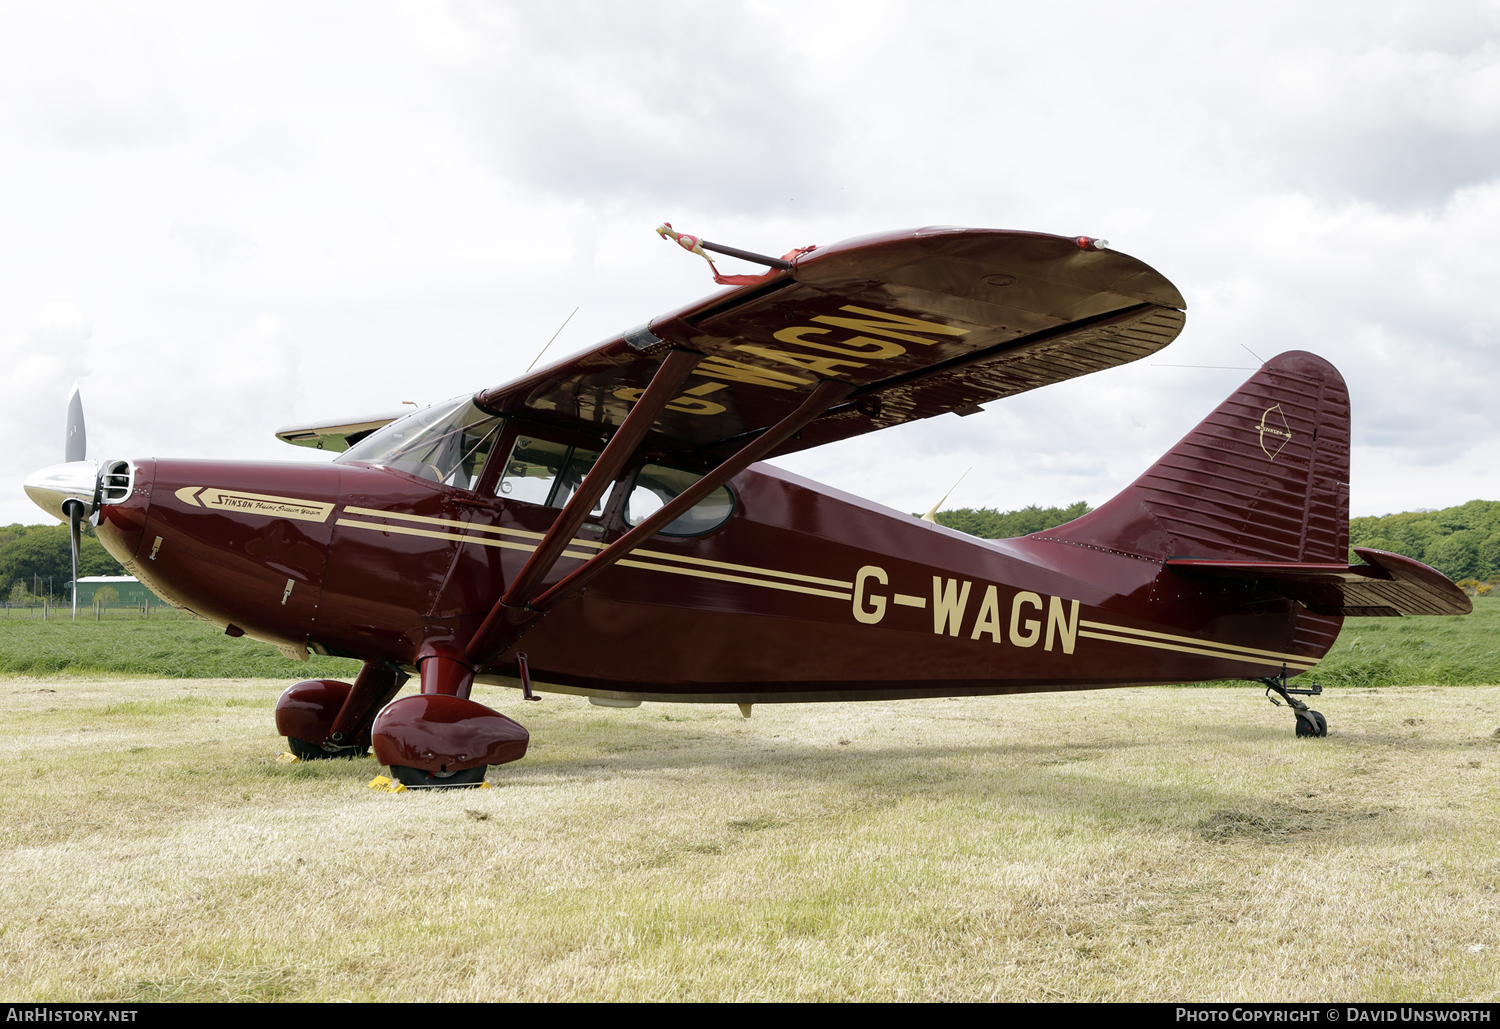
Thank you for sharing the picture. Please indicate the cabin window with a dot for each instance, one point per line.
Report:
(656, 484)
(542, 472)
(446, 443)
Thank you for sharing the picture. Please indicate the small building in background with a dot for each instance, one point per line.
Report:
(132, 593)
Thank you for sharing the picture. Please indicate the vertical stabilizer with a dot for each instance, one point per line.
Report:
(1265, 477)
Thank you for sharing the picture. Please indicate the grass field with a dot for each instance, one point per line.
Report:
(168, 643)
(1154, 844)
(1417, 651)
(1158, 844)
(1370, 651)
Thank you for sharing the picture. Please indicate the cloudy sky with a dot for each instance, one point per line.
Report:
(222, 218)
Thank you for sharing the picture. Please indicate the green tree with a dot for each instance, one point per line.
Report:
(1489, 556)
(93, 559)
(988, 523)
(1415, 531)
(106, 596)
(1456, 555)
(1476, 514)
(1461, 541)
(46, 550)
(1381, 543)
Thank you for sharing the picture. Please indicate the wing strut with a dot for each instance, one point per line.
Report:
(678, 365)
(506, 623)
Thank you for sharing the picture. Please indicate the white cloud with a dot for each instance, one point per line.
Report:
(213, 243)
(621, 104)
(40, 363)
(279, 211)
(88, 78)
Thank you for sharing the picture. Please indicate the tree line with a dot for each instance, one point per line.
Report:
(989, 524)
(1462, 542)
(39, 560)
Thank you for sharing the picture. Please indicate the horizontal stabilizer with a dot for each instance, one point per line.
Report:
(337, 434)
(1387, 584)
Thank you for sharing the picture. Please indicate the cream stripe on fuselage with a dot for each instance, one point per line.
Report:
(659, 555)
(1302, 664)
(405, 530)
(651, 565)
(1279, 655)
(426, 520)
(649, 561)
(701, 574)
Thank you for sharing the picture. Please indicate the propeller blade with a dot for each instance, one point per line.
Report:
(75, 532)
(76, 443)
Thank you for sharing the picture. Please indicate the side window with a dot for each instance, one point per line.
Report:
(542, 472)
(656, 484)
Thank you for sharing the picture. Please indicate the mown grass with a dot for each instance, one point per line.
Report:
(1458, 651)
(167, 644)
(1157, 844)
(1369, 652)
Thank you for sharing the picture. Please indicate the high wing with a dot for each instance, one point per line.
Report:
(918, 323)
(336, 434)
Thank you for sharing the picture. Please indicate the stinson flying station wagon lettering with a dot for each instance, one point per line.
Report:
(607, 527)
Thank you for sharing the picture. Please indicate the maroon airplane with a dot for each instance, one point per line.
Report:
(603, 527)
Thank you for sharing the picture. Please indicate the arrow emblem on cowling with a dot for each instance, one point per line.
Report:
(1273, 424)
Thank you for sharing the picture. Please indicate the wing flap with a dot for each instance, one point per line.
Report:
(1386, 585)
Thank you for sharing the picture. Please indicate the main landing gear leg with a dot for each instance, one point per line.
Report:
(441, 738)
(1309, 722)
(377, 683)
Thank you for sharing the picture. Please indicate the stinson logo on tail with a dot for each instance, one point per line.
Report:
(1275, 426)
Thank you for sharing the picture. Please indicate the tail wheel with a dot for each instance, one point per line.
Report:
(420, 778)
(1311, 723)
(312, 752)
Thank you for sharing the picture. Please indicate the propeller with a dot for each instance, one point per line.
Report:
(70, 490)
(75, 448)
(76, 442)
(75, 536)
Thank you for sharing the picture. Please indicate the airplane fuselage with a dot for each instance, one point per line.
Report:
(802, 594)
